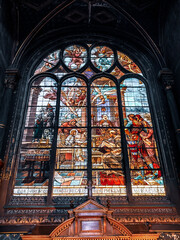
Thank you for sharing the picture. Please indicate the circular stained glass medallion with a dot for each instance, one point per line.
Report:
(102, 57)
(75, 57)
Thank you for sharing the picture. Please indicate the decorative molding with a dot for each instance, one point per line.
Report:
(11, 78)
(62, 227)
(125, 214)
(162, 236)
(28, 201)
(151, 219)
(120, 227)
(114, 200)
(31, 219)
(145, 211)
(36, 219)
(167, 78)
(93, 221)
(133, 237)
(157, 199)
(69, 200)
(145, 236)
(32, 211)
(5, 176)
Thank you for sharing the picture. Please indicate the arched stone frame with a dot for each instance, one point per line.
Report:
(73, 74)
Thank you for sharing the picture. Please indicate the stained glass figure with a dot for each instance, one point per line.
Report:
(106, 148)
(73, 101)
(128, 64)
(141, 144)
(103, 92)
(37, 139)
(102, 57)
(104, 116)
(75, 57)
(47, 63)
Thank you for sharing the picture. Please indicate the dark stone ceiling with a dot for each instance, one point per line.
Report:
(30, 12)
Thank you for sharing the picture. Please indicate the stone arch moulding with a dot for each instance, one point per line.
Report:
(24, 46)
(91, 221)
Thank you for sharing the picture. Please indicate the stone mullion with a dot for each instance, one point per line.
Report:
(126, 167)
(32, 114)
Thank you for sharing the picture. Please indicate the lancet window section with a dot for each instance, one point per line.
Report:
(107, 168)
(70, 176)
(145, 171)
(33, 170)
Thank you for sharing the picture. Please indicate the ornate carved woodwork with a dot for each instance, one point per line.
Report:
(88, 221)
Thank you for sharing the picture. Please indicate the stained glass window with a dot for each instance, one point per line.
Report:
(86, 128)
(48, 62)
(146, 175)
(75, 57)
(108, 175)
(33, 171)
(127, 63)
(71, 153)
(102, 57)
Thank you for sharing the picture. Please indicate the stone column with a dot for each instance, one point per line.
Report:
(11, 79)
(166, 76)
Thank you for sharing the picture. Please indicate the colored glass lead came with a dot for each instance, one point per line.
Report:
(74, 122)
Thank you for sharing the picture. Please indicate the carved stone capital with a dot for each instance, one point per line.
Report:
(11, 78)
(167, 78)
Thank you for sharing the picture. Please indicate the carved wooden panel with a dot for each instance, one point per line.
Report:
(88, 221)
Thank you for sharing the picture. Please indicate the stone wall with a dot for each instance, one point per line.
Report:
(170, 40)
